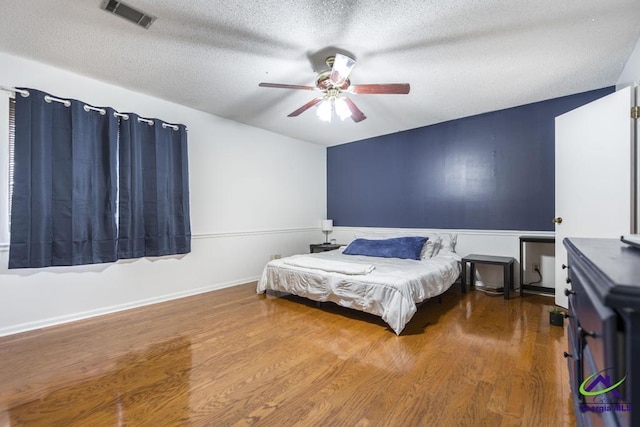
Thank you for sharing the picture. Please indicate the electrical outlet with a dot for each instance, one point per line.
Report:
(275, 256)
(536, 267)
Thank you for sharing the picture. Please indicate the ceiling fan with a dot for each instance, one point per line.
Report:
(335, 82)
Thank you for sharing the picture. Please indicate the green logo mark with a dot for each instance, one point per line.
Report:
(587, 386)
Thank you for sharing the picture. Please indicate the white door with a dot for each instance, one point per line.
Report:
(594, 173)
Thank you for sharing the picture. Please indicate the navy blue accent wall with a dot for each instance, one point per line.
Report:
(493, 171)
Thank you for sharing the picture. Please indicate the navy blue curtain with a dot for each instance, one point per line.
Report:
(154, 189)
(64, 197)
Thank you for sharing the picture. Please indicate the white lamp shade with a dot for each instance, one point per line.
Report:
(341, 69)
(327, 225)
(342, 109)
(324, 111)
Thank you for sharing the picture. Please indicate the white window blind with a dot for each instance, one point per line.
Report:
(12, 142)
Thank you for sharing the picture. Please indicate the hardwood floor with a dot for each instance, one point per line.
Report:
(234, 358)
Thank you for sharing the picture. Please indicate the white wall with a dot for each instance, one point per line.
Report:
(253, 194)
(631, 72)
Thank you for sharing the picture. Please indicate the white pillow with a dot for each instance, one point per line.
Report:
(448, 244)
(431, 247)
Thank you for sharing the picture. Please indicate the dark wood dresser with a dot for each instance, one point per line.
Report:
(604, 331)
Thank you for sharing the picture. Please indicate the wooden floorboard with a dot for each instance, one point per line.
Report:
(234, 358)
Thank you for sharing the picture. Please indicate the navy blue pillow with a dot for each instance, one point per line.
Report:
(397, 247)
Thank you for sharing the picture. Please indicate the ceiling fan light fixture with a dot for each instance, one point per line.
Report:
(334, 82)
(342, 109)
(341, 69)
(333, 107)
(324, 111)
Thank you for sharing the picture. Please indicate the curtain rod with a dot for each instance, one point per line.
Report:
(66, 102)
(169, 125)
(13, 90)
(87, 108)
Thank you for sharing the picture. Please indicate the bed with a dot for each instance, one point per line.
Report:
(385, 286)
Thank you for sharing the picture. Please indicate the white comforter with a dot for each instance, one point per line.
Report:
(390, 290)
(329, 265)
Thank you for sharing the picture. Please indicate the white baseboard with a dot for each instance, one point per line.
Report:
(53, 321)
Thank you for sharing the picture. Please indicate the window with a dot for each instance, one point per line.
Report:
(12, 141)
(73, 164)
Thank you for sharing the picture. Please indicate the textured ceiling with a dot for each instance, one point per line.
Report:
(461, 57)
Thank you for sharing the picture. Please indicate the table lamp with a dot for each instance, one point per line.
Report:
(327, 227)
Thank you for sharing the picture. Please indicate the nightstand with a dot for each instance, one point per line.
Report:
(323, 247)
(473, 259)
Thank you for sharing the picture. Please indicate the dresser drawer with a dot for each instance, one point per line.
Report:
(574, 362)
(572, 317)
(576, 295)
(596, 326)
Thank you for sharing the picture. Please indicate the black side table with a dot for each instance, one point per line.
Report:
(473, 259)
(323, 247)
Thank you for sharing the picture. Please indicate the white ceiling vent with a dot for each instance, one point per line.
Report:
(129, 13)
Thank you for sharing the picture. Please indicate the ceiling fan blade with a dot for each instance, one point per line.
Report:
(388, 88)
(284, 86)
(356, 114)
(342, 66)
(306, 106)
